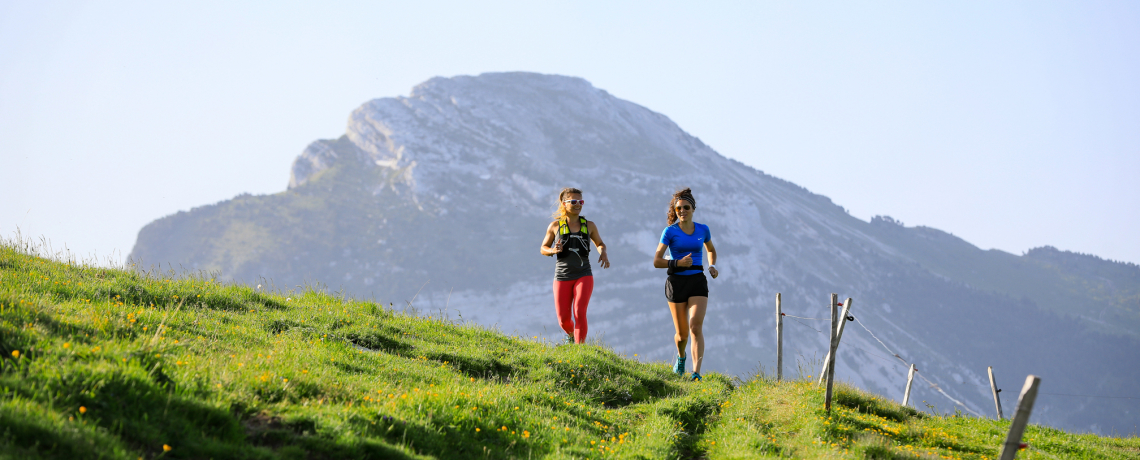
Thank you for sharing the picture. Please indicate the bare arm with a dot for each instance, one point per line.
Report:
(603, 258)
(659, 260)
(551, 245)
(712, 258)
(659, 257)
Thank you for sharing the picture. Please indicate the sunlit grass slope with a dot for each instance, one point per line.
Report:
(764, 418)
(111, 363)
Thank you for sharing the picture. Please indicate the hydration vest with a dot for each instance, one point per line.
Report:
(564, 226)
(574, 260)
(565, 235)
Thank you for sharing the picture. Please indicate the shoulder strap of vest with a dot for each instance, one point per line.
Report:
(564, 225)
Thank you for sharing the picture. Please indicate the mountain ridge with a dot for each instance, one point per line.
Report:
(423, 191)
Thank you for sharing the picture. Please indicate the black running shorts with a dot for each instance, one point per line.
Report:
(678, 288)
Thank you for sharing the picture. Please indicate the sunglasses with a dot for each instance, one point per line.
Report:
(685, 207)
(573, 202)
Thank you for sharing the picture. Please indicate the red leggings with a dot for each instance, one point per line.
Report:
(577, 293)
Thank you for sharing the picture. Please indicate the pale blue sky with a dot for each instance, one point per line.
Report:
(1010, 124)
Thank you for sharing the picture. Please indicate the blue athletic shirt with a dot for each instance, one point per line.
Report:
(681, 243)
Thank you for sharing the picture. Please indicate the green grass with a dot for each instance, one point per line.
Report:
(107, 363)
(764, 418)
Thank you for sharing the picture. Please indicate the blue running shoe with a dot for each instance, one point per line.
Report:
(679, 366)
(696, 377)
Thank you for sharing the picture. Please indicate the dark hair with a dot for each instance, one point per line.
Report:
(686, 195)
(560, 211)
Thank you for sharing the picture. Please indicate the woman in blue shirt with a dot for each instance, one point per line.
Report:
(686, 288)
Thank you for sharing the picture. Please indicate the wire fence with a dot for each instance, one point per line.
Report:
(899, 360)
(803, 323)
(1088, 396)
(801, 317)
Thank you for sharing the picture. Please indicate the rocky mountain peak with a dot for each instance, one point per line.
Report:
(442, 196)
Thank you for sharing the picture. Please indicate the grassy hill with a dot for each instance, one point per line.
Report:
(106, 363)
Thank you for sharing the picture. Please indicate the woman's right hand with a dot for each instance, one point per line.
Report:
(686, 261)
(557, 246)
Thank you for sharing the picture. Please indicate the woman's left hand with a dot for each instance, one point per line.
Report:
(603, 259)
(713, 271)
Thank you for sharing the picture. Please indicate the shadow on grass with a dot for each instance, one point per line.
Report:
(135, 414)
(299, 438)
(131, 292)
(867, 404)
(483, 367)
(605, 378)
(12, 338)
(379, 342)
(278, 326)
(33, 434)
(445, 441)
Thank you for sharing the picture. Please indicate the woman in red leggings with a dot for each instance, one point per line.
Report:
(568, 237)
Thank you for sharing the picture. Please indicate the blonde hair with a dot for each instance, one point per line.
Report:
(560, 211)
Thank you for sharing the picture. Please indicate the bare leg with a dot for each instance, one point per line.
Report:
(697, 306)
(681, 325)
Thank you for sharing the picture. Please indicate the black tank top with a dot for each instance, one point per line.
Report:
(574, 260)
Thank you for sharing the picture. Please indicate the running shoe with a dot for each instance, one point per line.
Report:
(696, 377)
(679, 366)
(569, 339)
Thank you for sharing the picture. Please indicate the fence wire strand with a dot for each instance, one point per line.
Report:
(870, 353)
(805, 325)
(923, 377)
(801, 317)
(881, 342)
(939, 389)
(1088, 396)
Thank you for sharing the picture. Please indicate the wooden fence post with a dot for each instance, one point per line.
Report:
(779, 340)
(909, 380)
(834, 324)
(995, 390)
(827, 365)
(1020, 418)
